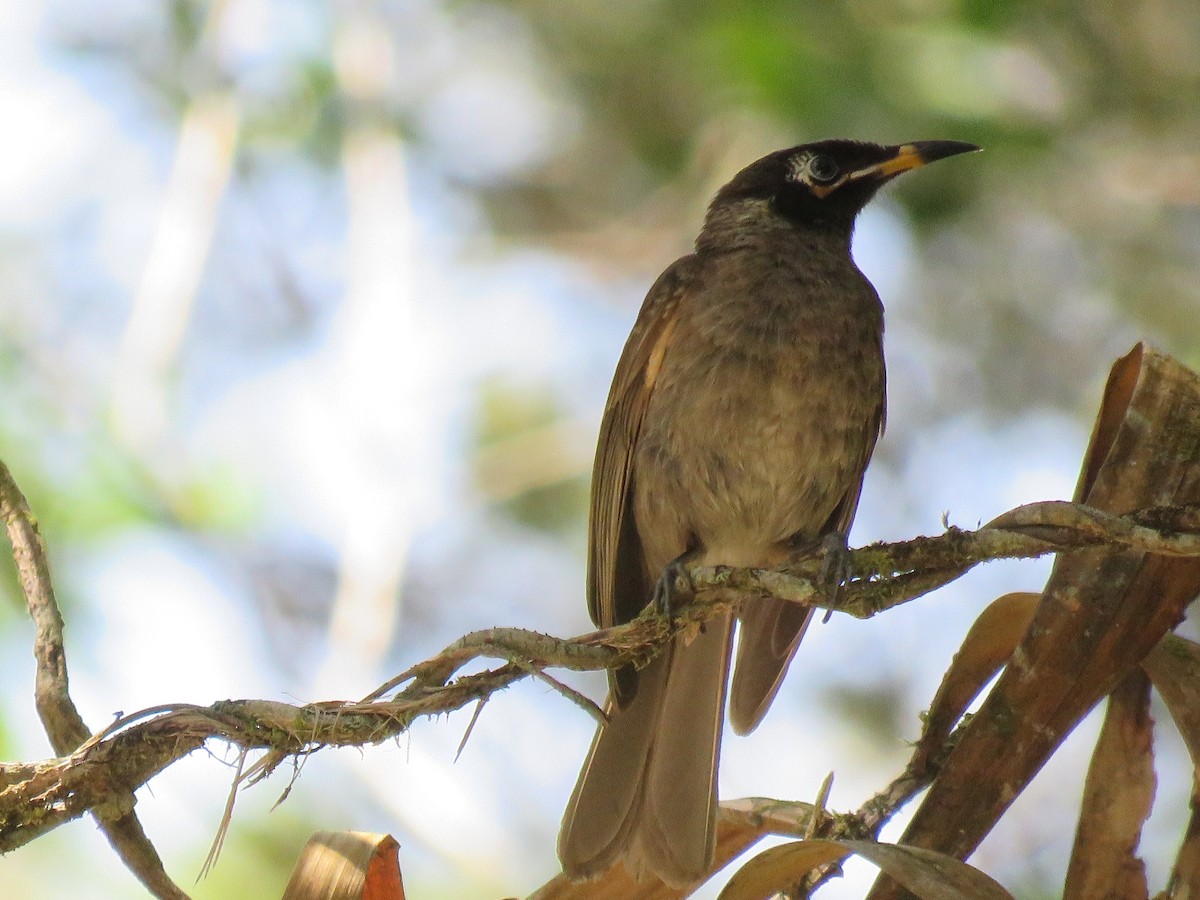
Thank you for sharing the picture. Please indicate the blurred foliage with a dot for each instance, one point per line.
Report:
(1087, 112)
(517, 443)
(259, 863)
(879, 708)
(506, 408)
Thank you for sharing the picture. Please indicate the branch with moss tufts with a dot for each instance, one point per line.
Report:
(99, 774)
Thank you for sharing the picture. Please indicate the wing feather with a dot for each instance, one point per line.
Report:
(617, 587)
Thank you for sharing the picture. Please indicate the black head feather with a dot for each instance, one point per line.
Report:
(827, 183)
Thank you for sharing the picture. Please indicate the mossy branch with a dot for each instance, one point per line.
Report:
(101, 773)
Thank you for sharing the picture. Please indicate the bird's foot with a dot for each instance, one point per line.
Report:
(673, 586)
(835, 566)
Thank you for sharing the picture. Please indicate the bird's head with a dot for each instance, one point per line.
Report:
(822, 185)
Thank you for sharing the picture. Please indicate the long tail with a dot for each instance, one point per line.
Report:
(768, 636)
(648, 791)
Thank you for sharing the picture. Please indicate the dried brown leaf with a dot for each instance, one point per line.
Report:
(1117, 797)
(988, 645)
(781, 868)
(1174, 668)
(347, 865)
(1101, 613)
(1185, 876)
(929, 875)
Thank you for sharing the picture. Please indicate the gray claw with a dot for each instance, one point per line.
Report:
(667, 590)
(835, 566)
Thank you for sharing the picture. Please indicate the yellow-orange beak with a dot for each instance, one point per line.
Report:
(910, 156)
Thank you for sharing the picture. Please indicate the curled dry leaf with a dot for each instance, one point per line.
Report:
(347, 865)
(1102, 611)
(929, 875)
(1174, 668)
(1117, 797)
(988, 645)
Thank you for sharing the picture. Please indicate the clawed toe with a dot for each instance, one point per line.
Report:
(835, 566)
(675, 583)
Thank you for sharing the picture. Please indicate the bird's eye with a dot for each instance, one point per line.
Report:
(823, 170)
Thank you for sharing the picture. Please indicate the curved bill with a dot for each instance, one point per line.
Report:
(910, 156)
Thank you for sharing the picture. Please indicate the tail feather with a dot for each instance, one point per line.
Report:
(768, 636)
(603, 807)
(677, 833)
(647, 792)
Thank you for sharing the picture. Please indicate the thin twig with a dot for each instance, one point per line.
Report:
(470, 728)
(585, 703)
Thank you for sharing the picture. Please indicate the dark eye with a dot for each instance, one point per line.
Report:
(823, 170)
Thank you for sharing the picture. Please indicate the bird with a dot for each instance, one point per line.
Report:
(744, 409)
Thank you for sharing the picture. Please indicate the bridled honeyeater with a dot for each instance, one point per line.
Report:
(741, 418)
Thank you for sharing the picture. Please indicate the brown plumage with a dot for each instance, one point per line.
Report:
(740, 421)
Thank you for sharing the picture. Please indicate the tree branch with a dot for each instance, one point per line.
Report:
(62, 722)
(101, 774)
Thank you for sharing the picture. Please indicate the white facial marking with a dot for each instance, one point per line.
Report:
(798, 167)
